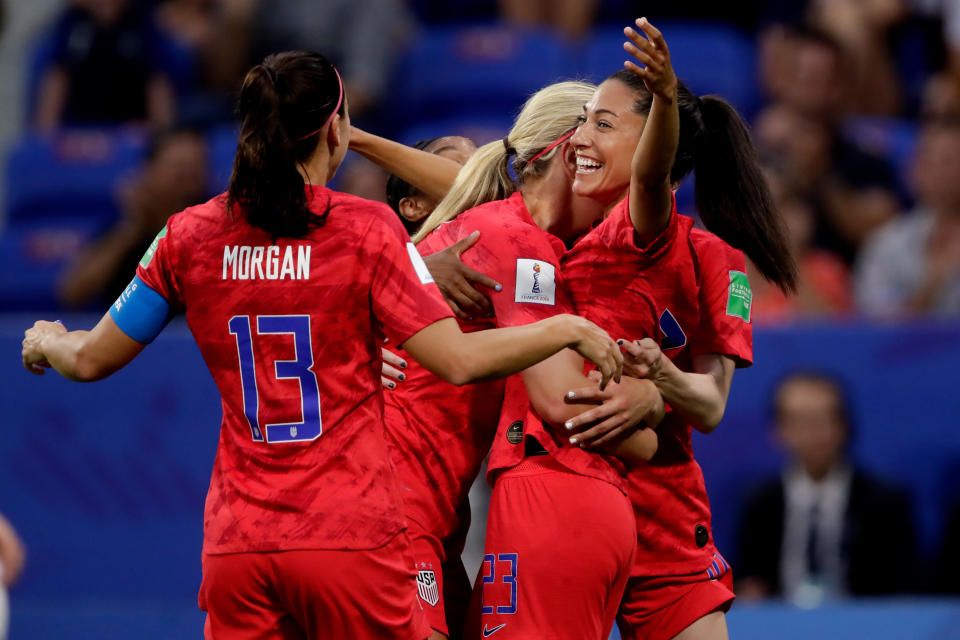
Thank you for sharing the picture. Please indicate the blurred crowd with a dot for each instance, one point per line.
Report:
(858, 127)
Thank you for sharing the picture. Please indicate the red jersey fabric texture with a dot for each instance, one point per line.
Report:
(686, 291)
(291, 332)
(439, 433)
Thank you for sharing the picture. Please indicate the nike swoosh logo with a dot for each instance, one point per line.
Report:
(489, 632)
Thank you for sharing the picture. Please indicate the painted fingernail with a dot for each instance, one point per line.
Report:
(568, 424)
(499, 287)
(571, 394)
(573, 441)
(402, 377)
(403, 364)
(620, 342)
(393, 385)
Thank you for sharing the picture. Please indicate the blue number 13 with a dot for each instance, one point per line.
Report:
(310, 427)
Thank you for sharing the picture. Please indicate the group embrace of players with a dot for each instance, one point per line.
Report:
(337, 509)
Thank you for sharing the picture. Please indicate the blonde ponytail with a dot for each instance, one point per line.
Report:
(546, 116)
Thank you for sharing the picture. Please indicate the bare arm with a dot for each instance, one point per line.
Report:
(12, 554)
(651, 201)
(463, 358)
(636, 401)
(428, 172)
(699, 396)
(51, 99)
(82, 356)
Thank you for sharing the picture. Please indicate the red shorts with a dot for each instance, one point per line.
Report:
(312, 594)
(557, 556)
(658, 608)
(443, 588)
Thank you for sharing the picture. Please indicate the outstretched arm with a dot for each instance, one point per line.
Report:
(463, 358)
(82, 356)
(428, 172)
(651, 200)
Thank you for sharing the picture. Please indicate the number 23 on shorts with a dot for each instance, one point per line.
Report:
(498, 589)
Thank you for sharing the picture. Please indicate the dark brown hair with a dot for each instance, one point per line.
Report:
(284, 103)
(730, 191)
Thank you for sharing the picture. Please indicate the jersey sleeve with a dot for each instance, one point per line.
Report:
(527, 265)
(404, 296)
(158, 265)
(725, 304)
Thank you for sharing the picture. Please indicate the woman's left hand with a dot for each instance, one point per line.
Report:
(623, 407)
(33, 359)
(652, 52)
(641, 358)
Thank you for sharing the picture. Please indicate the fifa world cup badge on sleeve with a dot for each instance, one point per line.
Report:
(152, 249)
(427, 587)
(536, 282)
(740, 296)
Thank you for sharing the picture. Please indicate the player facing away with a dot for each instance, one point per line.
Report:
(436, 469)
(285, 285)
(646, 271)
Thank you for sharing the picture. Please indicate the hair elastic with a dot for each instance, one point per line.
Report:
(550, 148)
(335, 109)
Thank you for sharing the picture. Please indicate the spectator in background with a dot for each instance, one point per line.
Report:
(824, 286)
(825, 528)
(941, 97)
(573, 18)
(851, 191)
(107, 67)
(363, 37)
(12, 558)
(411, 204)
(175, 177)
(912, 265)
(861, 64)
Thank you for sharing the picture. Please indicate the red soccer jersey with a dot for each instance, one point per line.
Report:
(439, 433)
(688, 291)
(289, 331)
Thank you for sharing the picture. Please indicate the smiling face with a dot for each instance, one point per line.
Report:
(605, 143)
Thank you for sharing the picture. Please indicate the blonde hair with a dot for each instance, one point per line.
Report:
(545, 117)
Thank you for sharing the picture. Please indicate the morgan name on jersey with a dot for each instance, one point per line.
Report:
(266, 263)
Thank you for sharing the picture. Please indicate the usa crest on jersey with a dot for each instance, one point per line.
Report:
(427, 587)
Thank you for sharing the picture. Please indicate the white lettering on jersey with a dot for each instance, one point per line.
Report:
(536, 282)
(266, 263)
(419, 265)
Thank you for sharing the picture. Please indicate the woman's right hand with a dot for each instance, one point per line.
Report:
(594, 344)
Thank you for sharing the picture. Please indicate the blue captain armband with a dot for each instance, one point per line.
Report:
(141, 312)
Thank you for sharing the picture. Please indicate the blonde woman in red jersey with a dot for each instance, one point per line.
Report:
(640, 134)
(522, 228)
(282, 278)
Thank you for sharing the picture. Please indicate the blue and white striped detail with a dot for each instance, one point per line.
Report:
(718, 568)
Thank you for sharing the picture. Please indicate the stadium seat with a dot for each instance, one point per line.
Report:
(222, 145)
(72, 174)
(709, 58)
(478, 70)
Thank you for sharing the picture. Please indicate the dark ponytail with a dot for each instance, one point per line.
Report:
(284, 103)
(730, 191)
(732, 195)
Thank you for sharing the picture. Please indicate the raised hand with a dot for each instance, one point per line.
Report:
(652, 52)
